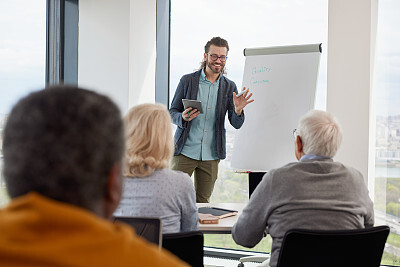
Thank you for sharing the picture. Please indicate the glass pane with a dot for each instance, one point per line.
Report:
(387, 173)
(253, 23)
(22, 57)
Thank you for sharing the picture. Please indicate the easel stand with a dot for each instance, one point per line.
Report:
(254, 179)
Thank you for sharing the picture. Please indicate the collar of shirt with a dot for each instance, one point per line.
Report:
(204, 78)
(312, 156)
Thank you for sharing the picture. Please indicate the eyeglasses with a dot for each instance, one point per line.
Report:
(294, 133)
(215, 58)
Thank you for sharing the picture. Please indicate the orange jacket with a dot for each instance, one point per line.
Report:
(37, 231)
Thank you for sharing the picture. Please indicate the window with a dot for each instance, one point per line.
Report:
(387, 167)
(22, 57)
(243, 25)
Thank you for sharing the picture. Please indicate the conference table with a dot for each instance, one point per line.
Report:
(224, 225)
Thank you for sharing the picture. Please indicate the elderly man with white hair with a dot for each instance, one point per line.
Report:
(314, 193)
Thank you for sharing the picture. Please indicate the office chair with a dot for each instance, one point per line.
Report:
(146, 227)
(345, 248)
(332, 248)
(188, 246)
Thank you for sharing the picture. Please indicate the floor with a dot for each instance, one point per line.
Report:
(218, 257)
(217, 262)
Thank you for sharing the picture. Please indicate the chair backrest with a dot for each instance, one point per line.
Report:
(346, 248)
(188, 246)
(147, 227)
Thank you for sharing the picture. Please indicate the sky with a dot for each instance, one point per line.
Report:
(388, 59)
(257, 23)
(22, 49)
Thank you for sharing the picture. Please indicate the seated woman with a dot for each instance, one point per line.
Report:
(151, 189)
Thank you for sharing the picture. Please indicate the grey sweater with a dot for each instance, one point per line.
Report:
(310, 194)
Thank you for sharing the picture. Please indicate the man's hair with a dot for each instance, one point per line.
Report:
(62, 142)
(217, 41)
(320, 133)
(149, 141)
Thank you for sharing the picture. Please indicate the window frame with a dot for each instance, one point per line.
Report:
(163, 37)
(62, 42)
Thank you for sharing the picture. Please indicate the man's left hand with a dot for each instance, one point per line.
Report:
(242, 100)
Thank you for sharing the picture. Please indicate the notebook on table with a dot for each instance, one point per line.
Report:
(217, 212)
(208, 219)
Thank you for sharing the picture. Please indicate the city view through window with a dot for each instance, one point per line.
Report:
(387, 167)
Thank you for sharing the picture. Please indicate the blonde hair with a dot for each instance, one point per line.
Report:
(149, 141)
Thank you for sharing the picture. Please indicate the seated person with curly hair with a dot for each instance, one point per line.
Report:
(151, 189)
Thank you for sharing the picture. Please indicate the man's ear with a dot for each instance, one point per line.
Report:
(205, 56)
(298, 147)
(113, 190)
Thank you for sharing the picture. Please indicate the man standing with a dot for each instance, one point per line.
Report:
(200, 138)
(315, 193)
(62, 150)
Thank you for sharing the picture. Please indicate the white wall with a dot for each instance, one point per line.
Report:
(142, 56)
(116, 50)
(350, 95)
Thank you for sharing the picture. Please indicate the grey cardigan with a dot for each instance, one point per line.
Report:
(188, 88)
(310, 194)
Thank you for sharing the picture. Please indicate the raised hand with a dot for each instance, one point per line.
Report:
(242, 100)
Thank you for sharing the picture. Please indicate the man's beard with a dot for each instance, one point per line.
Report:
(213, 68)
